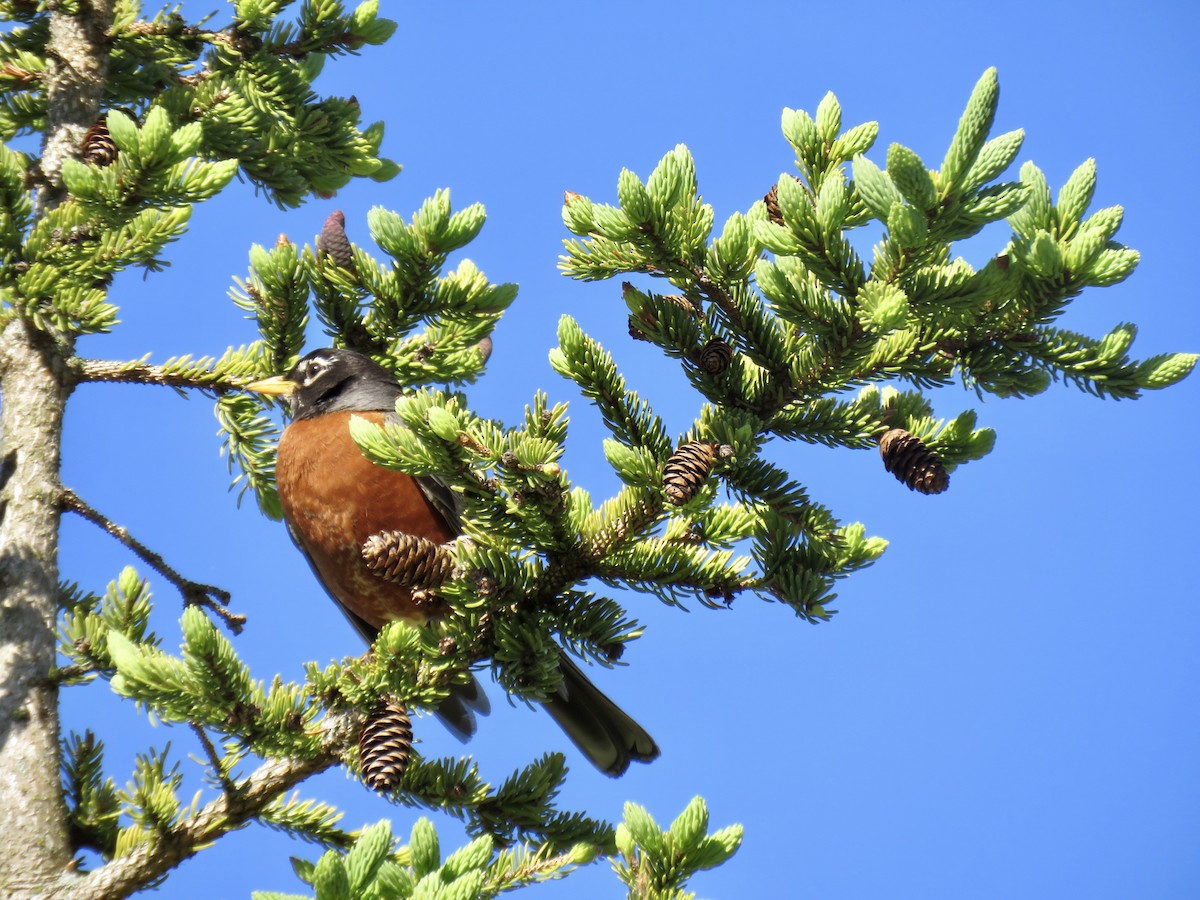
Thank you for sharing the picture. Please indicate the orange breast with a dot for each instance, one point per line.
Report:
(334, 498)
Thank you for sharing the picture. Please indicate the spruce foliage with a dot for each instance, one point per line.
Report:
(777, 321)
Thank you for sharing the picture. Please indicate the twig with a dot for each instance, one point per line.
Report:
(699, 276)
(214, 759)
(199, 378)
(587, 560)
(143, 865)
(717, 294)
(532, 872)
(194, 593)
(704, 590)
(296, 49)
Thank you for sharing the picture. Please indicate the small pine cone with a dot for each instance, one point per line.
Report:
(384, 747)
(714, 357)
(332, 240)
(687, 470)
(907, 457)
(407, 559)
(98, 147)
(682, 302)
(771, 198)
(485, 349)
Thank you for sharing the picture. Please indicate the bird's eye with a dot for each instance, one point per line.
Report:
(313, 370)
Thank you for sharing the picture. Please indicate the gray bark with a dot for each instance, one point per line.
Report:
(35, 850)
(77, 67)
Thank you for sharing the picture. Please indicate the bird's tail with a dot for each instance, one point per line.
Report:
(606, 734)
(457, 712)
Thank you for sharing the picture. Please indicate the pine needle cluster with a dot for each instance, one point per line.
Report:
(777, 317)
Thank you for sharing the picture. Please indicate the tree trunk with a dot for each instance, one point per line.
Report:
(34, 849)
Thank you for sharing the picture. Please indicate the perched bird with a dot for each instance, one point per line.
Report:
(334, 499)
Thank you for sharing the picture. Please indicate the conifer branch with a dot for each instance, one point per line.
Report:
(302, 49)
(645, 513)
(148, 862)
(725, 590)
(104, 370)
(587, 561)
(194, 593)
(717, 294)
(214, 758)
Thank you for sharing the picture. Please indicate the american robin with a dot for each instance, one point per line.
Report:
(334, 499)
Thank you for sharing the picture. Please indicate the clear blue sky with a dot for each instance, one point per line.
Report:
(1007, 703)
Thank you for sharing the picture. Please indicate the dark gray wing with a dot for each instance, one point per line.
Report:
(444, 499)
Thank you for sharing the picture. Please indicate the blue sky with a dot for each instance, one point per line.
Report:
(1006, 703)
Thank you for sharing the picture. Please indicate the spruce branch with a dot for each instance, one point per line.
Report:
(194, 593)
(197, 376)
(656, 863)
(215, 762)
(811, 321)
(146, 863)
(484, 868)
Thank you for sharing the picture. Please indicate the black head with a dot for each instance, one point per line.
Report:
(331, 380)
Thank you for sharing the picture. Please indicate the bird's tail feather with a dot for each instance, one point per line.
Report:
(606, 734)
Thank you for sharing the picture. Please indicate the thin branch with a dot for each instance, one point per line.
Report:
(588, 560)
(536, 871)
(704, 589)
(194, 593)
(144, 865)
(717, 294)
(198, 377)
(214, 759)
(300, 50)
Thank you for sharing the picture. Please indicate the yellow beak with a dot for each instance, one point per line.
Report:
(277, 386)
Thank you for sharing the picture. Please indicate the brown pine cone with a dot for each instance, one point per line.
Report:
(906, 456)
(771, 198)
(687, 470)
(97, 147)
(714, 357)
(407, 559)
(384, 747)
(332, 241)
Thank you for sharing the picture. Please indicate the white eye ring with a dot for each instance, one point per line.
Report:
(315, 368)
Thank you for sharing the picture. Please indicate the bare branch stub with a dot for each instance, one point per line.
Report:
(194, 593)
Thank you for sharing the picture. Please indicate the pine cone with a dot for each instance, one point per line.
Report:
(485, 349)
(771, 198)
(647, 314)
(906, 456)
(332, 240)
(687, 470)
(714, 357)
(98, 147)
(682, 302)
(384, 747)
(407, 559)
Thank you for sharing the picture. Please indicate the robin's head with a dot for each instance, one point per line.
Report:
(330, 380)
